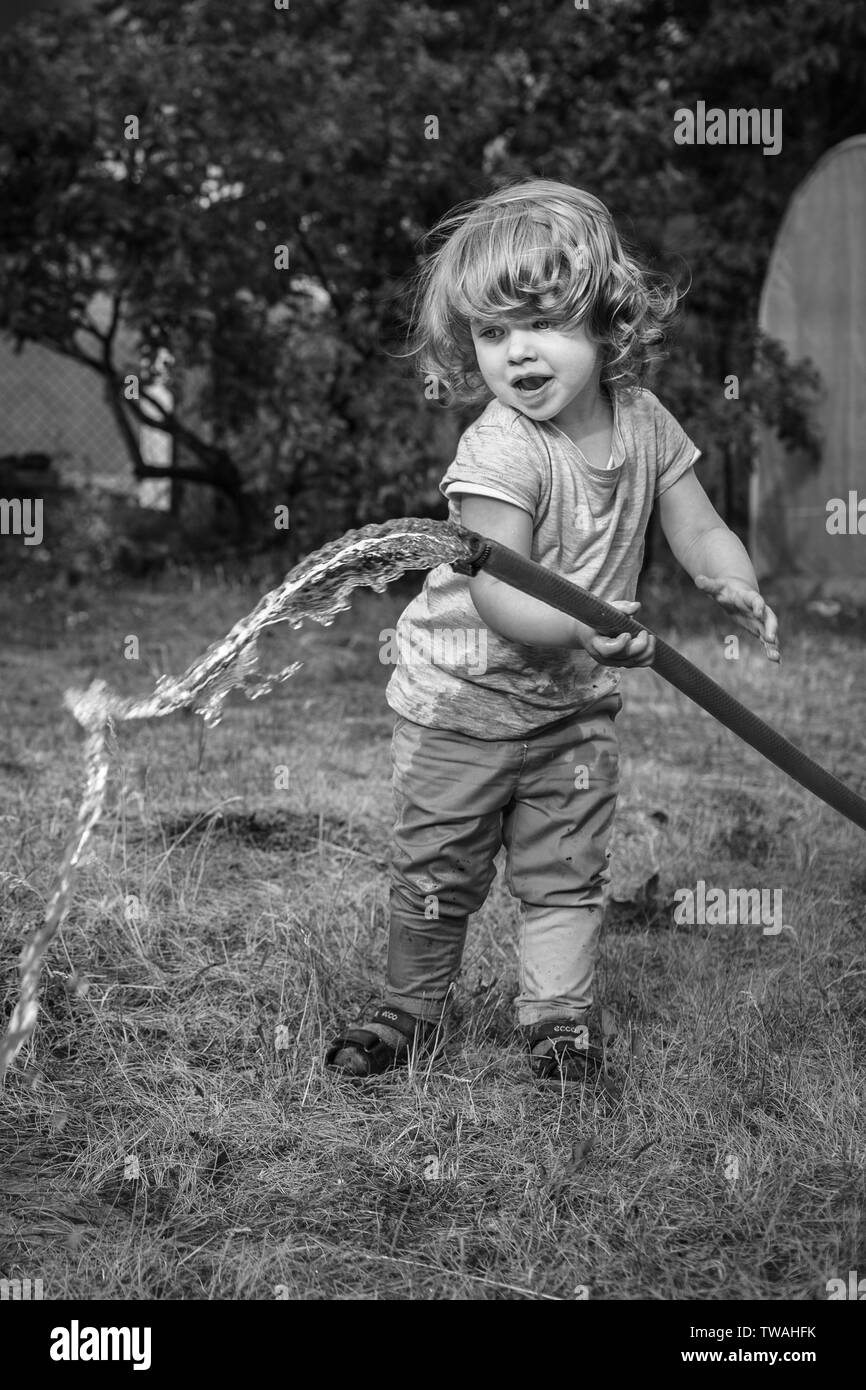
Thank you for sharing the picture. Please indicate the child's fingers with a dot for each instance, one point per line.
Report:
(771, 626)
(769, 634)
(749, 623)
(644, 647)
(763, 625)
(744, 601)
(639, 643)
(608, 651)
(643, 660)
(642, 650)
(612, 644)
(625, 650)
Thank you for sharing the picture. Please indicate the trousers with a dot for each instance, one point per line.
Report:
(550, 798)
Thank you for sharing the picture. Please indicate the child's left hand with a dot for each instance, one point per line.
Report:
(745, 603)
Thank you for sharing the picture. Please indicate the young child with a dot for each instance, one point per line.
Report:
(505, 706)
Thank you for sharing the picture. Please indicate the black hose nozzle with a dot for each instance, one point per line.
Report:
(479, 551)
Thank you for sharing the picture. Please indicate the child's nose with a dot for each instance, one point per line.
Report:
(520, 345)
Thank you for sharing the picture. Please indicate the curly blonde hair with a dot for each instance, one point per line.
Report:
(543, 247)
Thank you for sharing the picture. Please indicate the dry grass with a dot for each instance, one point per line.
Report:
(222, 928)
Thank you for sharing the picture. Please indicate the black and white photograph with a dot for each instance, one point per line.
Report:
(432, 672)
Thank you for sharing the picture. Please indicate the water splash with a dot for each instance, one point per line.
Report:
(317, 588)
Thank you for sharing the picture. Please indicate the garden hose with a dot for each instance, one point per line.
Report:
(514, 569)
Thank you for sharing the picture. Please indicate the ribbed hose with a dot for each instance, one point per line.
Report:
(505, 564)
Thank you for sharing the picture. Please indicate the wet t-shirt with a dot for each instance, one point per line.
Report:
(454, 672)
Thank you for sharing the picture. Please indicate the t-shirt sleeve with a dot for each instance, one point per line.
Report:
(675, 452)
(495, 462)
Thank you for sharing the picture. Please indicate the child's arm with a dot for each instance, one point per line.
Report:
(519, 617)
(717, 561)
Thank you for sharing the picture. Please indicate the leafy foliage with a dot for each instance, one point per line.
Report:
(307, 129)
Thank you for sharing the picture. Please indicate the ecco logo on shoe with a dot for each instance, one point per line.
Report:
(386, 1013)
(579, 1035)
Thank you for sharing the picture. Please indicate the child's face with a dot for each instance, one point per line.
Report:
(560, 366)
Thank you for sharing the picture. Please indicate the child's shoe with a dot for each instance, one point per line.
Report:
(382, 1042)
(560, 1050)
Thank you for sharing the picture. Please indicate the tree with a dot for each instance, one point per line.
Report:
(341, 133)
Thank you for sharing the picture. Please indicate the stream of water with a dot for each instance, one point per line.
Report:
(318, 588)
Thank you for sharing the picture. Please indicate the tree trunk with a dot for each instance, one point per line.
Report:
(219, 471)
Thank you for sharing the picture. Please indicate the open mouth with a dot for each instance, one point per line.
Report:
(528, 384)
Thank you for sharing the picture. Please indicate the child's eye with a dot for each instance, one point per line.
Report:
(487, 332)
(543, 323)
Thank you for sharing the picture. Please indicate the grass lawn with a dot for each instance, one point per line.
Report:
(170, 1132)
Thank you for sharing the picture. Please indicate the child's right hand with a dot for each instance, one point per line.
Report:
(623, 650)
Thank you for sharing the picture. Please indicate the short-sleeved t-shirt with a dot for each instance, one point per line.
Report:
(453, 671)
